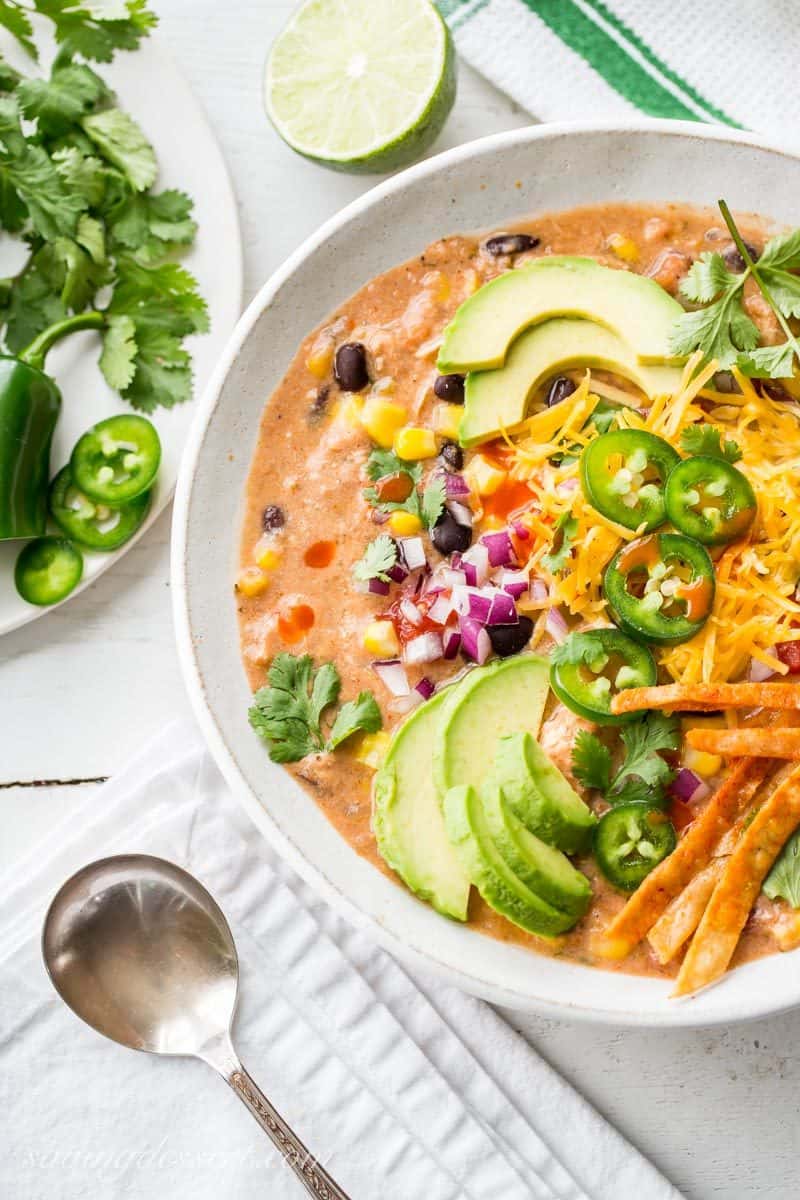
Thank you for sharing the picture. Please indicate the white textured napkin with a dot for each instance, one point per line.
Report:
(405, 1089)
(733, 63)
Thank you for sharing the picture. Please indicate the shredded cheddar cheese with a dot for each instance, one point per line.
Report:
(755, 605)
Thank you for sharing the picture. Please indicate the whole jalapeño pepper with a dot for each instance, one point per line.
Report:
(30, 404)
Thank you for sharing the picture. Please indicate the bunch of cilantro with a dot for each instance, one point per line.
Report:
(76, 179)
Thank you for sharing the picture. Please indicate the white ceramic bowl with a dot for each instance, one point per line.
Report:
(481, 185)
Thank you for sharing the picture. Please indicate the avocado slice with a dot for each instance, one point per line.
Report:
(407, 816)
(539, 795)
(632, 306)
(486, 704)
(498, 399)
(469, 834)
(543, 870)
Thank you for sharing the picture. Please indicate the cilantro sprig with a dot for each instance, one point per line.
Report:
(76, 174)
(564, 533)
(722, 329)
(427, 506)
(643, 774)
(707, 440)
(288, 714)
(377, 560)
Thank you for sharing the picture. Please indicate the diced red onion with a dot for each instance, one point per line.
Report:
(424, 649)
(758, 672)
(440, 610)
(539, 591)
(397, 573)
(688, 786)
(500, 547)
(556, 625)
(522, 531)
(514, 582)
(392, 675)
(451, 642)
(455, 486)
(475, 640)
(477, 557)
(453, 578)
(412, 550)
(425, 687)
(472, 602)
(378, 587)
(503, 610)
(460, 513)
(410, 611)
(404, 704)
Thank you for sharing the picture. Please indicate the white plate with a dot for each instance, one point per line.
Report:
(152, 89)
(475, 186)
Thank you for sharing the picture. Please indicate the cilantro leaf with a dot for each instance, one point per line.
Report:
(644, 774)
(153, 226)
(564, 532)
(360, 714)
(118, 358)
(62, 100)
(15, 19)
(288, 712)
(723, 329)
(768, 362)
(378, 558)
(578, 648)
(706, 440)
(122, 142)
(95, 31)
(591, 761)
(783, 880)
(32, 300)
(433, 499)
(162, 297)
(163, 375)
(386, 462)
(27, 169)
(82, 174)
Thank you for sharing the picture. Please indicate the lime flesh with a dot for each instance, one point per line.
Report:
(361, 85)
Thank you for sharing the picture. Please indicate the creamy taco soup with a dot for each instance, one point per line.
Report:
(518, 583)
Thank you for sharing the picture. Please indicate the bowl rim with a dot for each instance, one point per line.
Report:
(741, 1008)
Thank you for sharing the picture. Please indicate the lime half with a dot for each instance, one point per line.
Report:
(361, 85)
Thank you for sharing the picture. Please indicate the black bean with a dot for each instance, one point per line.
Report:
(273, 518)
(725, 382)
(449, 537)
(452, 456)
(350, 367)
(510, 639)
(511, 243)
(449, 388)
(559, 389)
(773, 389)
(734, 260)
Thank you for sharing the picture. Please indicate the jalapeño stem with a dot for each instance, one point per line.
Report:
(35, 354)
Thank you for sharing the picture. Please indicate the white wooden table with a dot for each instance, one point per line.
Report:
(82, 689)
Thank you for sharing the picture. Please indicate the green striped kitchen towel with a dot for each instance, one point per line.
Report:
(733, 62)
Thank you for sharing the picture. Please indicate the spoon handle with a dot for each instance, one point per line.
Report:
(316, 1179)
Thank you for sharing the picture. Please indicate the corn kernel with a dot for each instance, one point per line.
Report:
(413, 443)
(382, 419)
(624, 247)
(381, 640)
(266, 556)
(447, 420)
(404, 524)
(372, 748)
(320, 357)
(702, 763)
(252, 581)
(348, 411)
(484, 477)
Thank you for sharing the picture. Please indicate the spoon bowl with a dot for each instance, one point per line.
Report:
(140, 951)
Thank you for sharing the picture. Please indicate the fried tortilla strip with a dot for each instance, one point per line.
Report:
(692, 854)
(764, 743)
(719, 931)
(679, 921)
(705, 696)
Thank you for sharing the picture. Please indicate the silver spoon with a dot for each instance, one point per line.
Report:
(141, 952)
